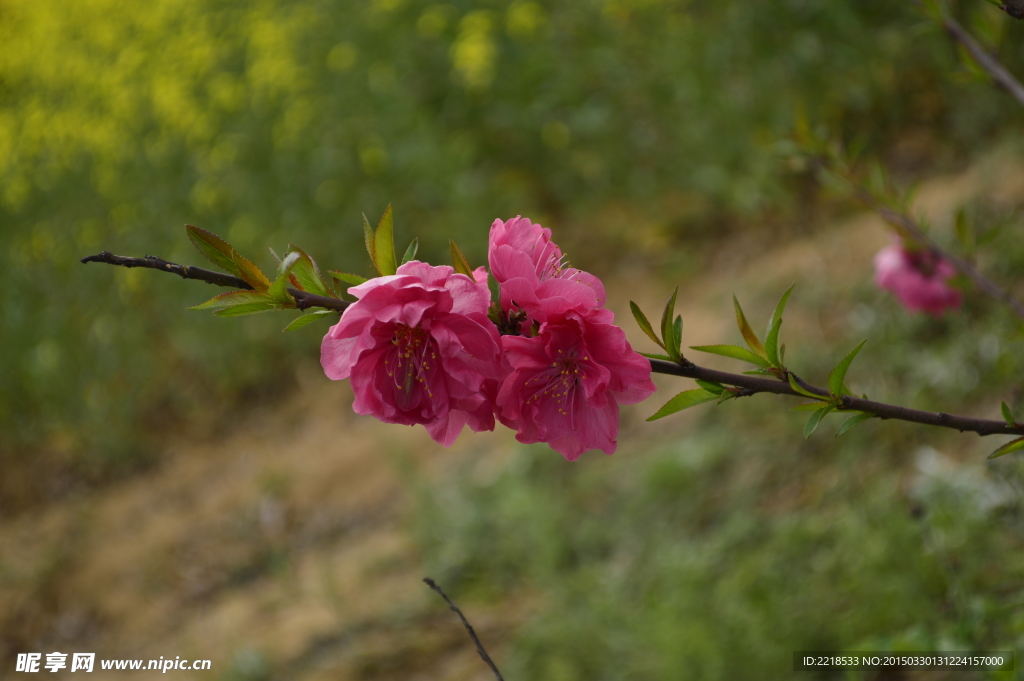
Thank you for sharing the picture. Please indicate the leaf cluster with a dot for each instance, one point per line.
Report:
(297, 270)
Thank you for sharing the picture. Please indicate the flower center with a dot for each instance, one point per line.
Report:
(559, 381)
(411, 364)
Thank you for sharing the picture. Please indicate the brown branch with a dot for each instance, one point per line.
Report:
(750, 385)
(1015, 8)
(469, 629)
(997, 71)
(303, 299)
(754, 384)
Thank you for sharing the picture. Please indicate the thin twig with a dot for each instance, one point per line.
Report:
(754, 384)
(469, 629)
(999, 74)
(907, 224)
(303, 299)
(1015, 8)
(751, 385)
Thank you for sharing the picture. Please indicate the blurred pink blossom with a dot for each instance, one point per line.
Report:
(918, 279)
(566, 382)
(419, 348)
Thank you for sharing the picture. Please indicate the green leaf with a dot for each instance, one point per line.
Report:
(838, 375)
(771, 339)
(748, 333)
(677, 336)
(249, 308)
(370, 241)
(1011, 446)
(815, 419)
(279, 289)
(410, 253)
(215, 249)
(384, 243)
(667, 330)
(734, 351)
(796, 386)
(781, 307)
(494, 287)
(684, 400)
(1008, 414)
(249, 272)
(654, 355)
(771, 344)
(807, 406)
(644, 324)
(353, 279)
(711, 387)
(308, 318)
(459, 260)
(233, 299)
(308, 274)
(852, 421)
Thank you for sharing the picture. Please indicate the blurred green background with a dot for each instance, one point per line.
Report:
(651, 134)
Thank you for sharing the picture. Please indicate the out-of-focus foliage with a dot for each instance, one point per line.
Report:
(718, 554)
(281, 120)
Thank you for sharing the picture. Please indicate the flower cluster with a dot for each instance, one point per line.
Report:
(422, 347)
(918, 278)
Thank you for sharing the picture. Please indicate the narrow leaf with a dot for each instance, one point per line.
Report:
(796, 386)
(279, 289)
(748, 333)
(815, 419)
(249, 272)
(248, 308)
(852, 421)
(232, 299)
(771, 343)
(459, 260)
(734, 351)
(781, 307)
(1008, 414)
(684, 400)
(308, 274)
(807, 406)
(275, 256)
(410, 252)
(1011, 446)
(215, 249)
(666, 322)
(677, 336)
(384, 243)
(711, 387)
(654, 355)
(368, 239)
(838, 375)
(353, 279)
(308, 318)
(643, 323)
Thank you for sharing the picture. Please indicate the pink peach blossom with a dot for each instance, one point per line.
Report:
(567, 382)
(917, 278)
(418, 348)
(529, 267)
